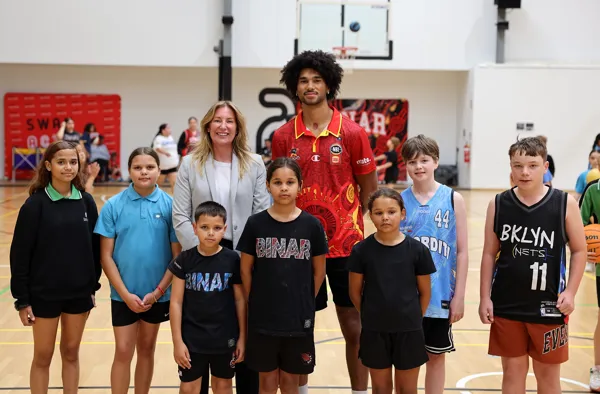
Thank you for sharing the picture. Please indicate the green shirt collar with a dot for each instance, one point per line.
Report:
(55, 196)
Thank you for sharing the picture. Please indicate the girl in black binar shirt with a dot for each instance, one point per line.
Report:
(390, 287)
(282, 266)
(55, 263)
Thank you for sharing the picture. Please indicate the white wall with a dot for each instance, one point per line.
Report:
(554, 31)
(110, 32)
(149, 96)
(428, 35)
(561, 101)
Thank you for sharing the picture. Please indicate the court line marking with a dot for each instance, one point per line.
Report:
(103, 198)
(462, 383)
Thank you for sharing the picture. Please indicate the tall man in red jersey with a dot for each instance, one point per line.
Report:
(338, 168)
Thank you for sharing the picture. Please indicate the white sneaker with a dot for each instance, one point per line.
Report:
(590, 267)
(595, 380)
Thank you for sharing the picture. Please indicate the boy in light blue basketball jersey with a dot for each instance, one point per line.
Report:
(436, 216)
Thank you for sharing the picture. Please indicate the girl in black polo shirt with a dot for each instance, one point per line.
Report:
(282, 267)
(390, 287)
(55, 263)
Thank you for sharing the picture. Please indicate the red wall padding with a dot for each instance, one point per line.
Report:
(32, 119)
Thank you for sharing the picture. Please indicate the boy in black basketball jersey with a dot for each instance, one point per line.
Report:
(524, 294)
(208, 309)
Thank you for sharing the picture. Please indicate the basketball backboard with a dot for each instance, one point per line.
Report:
(326, 24)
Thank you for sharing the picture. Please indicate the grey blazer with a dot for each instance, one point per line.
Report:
(247, 196)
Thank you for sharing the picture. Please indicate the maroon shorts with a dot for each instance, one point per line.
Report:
(546, 343)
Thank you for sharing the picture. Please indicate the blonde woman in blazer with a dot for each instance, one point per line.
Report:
(221, 168)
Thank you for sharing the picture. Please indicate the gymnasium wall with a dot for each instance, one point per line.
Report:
(150, 96)
(560, 101)
(427, 35)
(554, 31)
(111, 32)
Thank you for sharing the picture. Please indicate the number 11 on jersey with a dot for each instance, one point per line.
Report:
(534, 280)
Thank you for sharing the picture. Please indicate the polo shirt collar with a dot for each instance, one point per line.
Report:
(334, 127)
(55, 195)
(133, 195)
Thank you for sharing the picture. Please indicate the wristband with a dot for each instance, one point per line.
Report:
(161, 290)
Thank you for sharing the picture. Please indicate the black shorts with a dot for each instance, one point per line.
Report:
(221, 366)
(123, 316)
(53, 309)
(403, 350)
(337, 274)
(170, 170)
(294, 355)
(438, 335)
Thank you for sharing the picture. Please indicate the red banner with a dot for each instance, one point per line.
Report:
(31, 121)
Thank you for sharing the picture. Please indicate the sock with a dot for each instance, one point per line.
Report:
(303, 389)
(359, 392)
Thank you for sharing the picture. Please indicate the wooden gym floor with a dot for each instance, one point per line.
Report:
(469, 369)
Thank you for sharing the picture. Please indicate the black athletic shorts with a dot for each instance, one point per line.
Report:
(294, 355)
(221, 366)
(403, 350)
(337, 274)
(438, 335)
(53, 309)
(123, 316)
(170, 170)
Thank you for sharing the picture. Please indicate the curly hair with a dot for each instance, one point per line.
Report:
(322, 62)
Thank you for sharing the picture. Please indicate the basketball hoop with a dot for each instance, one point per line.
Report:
(346, 57)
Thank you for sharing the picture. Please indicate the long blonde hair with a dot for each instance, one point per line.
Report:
(204, 147)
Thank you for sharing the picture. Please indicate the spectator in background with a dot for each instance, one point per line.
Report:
(100, 154)
(550, 160)
(581, 179)
(89, 171)
(165, 146)
(596, 145)
(266, 152)
(188, 138)
(67, 132)
(391, 161)
(89, 133)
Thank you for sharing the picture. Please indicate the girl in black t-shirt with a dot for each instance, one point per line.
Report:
(282, 267)
(390, 286)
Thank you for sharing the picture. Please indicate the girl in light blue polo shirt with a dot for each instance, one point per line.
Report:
(137, 244)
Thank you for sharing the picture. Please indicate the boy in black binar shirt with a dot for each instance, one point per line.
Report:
(208, 309)
(390, 287)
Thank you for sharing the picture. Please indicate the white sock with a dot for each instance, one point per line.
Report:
(359, 392)
(303, 389)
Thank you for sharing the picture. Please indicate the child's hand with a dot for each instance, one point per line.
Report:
(486, 311)
(566, 303)
(148, 299)
(457, 309)
(135, 304)
(240, 352)
(26, 316)
(182, 355)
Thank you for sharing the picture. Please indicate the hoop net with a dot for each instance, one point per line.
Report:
(346, 57)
